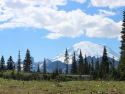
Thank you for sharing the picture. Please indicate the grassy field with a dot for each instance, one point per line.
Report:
(9, 86)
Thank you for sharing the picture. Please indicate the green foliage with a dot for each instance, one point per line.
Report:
(19, 63)
(27, 62)
(66, 61)
(44, 66)
(74, 65)
(10, 63)
(80, 63)
(2, 63)
(44, 76)
(60, 70)
(85, 67)
(38, 69)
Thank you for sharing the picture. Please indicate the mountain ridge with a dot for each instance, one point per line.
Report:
(88, 48)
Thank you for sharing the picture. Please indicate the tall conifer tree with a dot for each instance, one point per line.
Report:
(24, 66)
(28, 62)
(44, 67)
(92, 68)
(89, 68)
(97, 67)
(66, 60)
(10, 63)
(2, 63)
(113, 71)
(80, 63)
(85, 67)
(56, 70)
(121, 65)
(100, 73)
(19, 63)
(38, 69)
(60, 70)
(74, 65)
(106, 63)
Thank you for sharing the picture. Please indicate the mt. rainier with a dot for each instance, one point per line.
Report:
(88, 48)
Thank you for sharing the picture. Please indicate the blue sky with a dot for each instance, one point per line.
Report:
(48, 27)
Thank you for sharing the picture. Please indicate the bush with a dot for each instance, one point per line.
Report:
(48, 77)
(58, 78)
(26, 77)
(44, 76)
(18, 76)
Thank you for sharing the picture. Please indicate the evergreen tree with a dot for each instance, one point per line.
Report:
(80, 63)
(10, 63)
(110, 63)
(97, 67)
(38, 69)
(100, 72)
(24, 66)
(2, 64)
(85, 67)
(56, 69)
(44, 67)
(113, 71)
(89, 68)
(92, 68)
(14, 67)
(74, 65)
(28, 62)
(106, 63)
(66, 60)
(121, 65)
(19, 63)
(60, 70)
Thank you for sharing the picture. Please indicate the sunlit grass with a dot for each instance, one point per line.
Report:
(70, 87)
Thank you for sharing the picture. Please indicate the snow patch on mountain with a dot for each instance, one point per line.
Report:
(88, 48)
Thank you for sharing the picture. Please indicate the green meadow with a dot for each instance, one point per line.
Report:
(70, 85)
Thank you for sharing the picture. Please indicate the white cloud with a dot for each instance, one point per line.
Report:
(107, 13)
(53, 35)
(79, 1)
(108, 28)
(60, 23)
(110, 3)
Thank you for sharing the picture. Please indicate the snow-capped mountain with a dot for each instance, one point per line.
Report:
(88, 48)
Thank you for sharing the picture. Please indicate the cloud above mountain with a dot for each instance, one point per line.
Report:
(45, 14)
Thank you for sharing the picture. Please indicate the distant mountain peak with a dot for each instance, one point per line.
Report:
(88, 48)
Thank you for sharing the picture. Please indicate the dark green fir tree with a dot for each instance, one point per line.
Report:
(19, 63)
(80, 63)
(2, 64)
(38, 69)
(66, 61)
(74, 65)
(56, 70)
(92, 68)
(28, 62)
(10, 63)
(44, 67)
(85, 66)
(106, 63)
(60, 70)
(121, 65)
(113, 70)
(97, 67)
